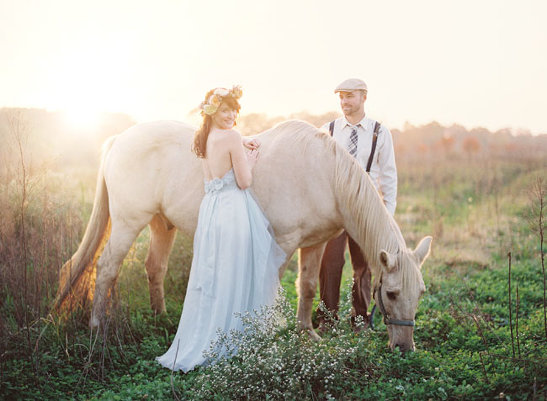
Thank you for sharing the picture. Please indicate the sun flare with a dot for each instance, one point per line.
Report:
(82, 119)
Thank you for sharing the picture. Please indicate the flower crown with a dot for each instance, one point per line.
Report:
(211, 105)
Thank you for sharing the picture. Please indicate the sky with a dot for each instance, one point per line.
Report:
(478, 63)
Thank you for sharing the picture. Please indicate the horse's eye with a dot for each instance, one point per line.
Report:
(391, 295)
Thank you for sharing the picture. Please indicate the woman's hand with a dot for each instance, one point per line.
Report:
(252, 157)
(251, 144)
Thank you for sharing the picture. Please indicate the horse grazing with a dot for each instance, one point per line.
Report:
(309, 188)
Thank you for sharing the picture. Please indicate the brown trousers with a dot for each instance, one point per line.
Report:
(330, 277)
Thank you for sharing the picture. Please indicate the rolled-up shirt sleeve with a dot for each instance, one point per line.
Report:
(388, 170)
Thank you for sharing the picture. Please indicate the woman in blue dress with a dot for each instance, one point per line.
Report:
(236, 259)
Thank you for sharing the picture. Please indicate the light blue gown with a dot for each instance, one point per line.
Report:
(234, 269)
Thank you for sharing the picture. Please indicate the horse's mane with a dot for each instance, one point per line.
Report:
(373, 224)
(358, 200)
(299, 134)
(358, 195)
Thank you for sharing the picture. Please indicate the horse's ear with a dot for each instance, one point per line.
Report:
(388, 260)
(423, 249)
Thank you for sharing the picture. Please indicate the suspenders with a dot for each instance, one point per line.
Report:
(374, 140)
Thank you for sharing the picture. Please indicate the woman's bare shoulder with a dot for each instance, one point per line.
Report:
(230, 136)
(232, 133)
(225, 132)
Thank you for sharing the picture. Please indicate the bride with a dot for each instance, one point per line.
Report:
(236, 259)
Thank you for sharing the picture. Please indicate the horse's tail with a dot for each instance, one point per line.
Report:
(77, 276)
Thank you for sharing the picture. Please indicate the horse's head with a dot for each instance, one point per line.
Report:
(397, 290)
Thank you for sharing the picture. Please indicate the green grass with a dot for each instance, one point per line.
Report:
(463, 338)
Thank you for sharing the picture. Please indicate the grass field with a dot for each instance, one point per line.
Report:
(478, 336)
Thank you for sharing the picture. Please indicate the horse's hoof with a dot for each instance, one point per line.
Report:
(313, 335)
(159, 311)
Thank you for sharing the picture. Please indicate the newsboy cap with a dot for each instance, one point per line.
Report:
(352, 84)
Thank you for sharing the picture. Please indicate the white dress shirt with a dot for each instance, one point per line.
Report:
(383, 170)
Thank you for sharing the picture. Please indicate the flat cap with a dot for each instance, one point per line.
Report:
(352, 84)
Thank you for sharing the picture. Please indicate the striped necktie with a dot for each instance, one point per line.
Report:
(352, 147)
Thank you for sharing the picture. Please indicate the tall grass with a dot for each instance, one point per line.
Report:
(37, 235)
(40, 223)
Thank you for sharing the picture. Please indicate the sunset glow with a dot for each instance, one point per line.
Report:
(471, 63)
(82, 119)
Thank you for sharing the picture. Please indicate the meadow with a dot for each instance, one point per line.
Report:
(481, 325)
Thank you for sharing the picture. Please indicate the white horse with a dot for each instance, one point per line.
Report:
(309, 188)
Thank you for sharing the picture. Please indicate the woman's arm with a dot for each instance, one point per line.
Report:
(242, 162)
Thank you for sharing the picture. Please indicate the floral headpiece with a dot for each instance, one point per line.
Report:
(211, 105)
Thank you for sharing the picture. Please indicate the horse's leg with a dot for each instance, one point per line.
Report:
(117, 247)
(162, 236)
(308, 277)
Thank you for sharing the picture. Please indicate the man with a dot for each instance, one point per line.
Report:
(355, 132)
